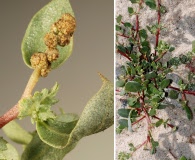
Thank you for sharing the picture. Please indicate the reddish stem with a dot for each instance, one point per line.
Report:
(158, 30)
(184, 91)
(122, 35)
(9, 116)
(124, 55)
(170, 125)
(138, 120)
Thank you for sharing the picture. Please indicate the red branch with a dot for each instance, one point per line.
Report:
(158, 30)
(170, 125)
(122, 35)
(184, 91)
(9, 116)
(138, 120)
(124, 54)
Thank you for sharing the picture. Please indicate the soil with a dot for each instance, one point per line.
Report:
(179, 21)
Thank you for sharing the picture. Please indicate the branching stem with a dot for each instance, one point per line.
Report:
(14, 111)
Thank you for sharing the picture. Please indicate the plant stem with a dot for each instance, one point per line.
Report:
(124, 55)
(14, 111)
(170, 125)
(184, 91)
(158, 30)
(138, 120)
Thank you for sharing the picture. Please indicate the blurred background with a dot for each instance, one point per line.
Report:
(93, 52)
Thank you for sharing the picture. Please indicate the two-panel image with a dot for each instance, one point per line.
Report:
(97, 80)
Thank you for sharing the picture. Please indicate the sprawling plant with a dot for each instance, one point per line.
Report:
(144, 81)
(47, 43)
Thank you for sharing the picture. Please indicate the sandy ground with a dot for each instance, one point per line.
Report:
(180, 32)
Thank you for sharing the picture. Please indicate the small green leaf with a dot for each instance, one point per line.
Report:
(193, 46)
(188, 112)
(17, 133)
(38, 106)
(143, 34)
(158, 123)
(121, 48)
(9, 154)
(135, 1)
(130, 10)
(183, 158)
(126, 24)
(131, 101)
(123, 122)
(151, 3)
(118, 19)
(120, 83)
(171, 49)
(132, 147)
(173, 94)
(162, 106)
(3, 144)
(123, 112)
(152, 112)
(40, 24)
(133, 86)
(165, 83)
(154, 145)
(118, 28)
(151, 75)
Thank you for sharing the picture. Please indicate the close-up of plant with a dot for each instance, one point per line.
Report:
(47, 44)
(144, 84)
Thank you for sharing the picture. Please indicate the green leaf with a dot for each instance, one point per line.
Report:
(165, 83)
(173, 94)
(56, 132)
(38, 106)
(118, 28)
(3, 144)
(152, 112)
(121, 48)
(151, 3)
(188, 112)
(132, 147)
(120, 83)
(143, 34)
(40, 24)
(38, 150)
(131, 101)
(16, 133)
(123, 122)
(193, 46)
(119, 129)
(154, 145)
(158, 123)
(130, 10)
(162, 106)
(135, 1)
(124, 112)
(151, 75)
(133, 86)
(126, 24)
(183, 158)
(97, 115)
(171, 49)
(9, 154)
(118, 19)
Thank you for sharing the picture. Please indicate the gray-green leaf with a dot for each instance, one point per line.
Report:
(133, 86)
